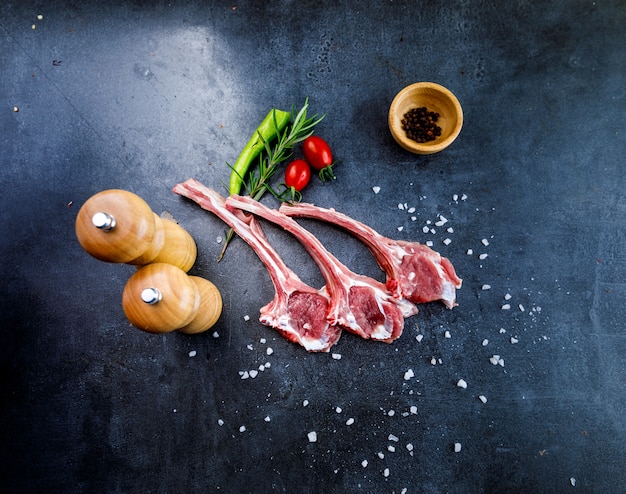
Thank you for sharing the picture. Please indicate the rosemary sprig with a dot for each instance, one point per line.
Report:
(297, 131)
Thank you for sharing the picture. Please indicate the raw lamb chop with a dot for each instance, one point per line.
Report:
(360, 304)
(297, 311)
(414, 271)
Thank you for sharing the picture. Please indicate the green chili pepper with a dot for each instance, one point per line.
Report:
(271, 126)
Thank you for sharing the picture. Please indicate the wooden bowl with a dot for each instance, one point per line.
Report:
(435, 98)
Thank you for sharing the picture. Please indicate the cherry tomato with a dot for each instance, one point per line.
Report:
(297, 174)
(317, 152)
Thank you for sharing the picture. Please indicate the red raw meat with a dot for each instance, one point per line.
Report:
(358, 303)
(297, 311)
(414, 271)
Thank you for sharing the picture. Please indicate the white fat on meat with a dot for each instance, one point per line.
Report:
(297, 311)
(414, 271)
(358, 303)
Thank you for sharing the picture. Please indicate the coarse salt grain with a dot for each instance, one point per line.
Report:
(336, 356)
(242, 428)
(253, 373)
(425, 229)
(246, 317)
(267, 418)
(312, 436)
(305, 403)
(507, 296)
(447, 241)
(338, 409)
(457, 447)
(470, 252)
(409, 447)
(192, 353)
(220, 422)
(393, 437)
(464, 197)
(486, 287)
(400, 228)
(506, 307)
(419, 337)
(485, 342)
(386, 472)
(450, 230)
(269, 351)
(521, 308)
(447, 334)
(409, 374)
(572, 481)
(483, 256)
(350, 421)
(514, 340)
(391, 448)
(429, 243)
(413, 409)
(376, 189)
(411, 210)
(462, 384)
(455, 197)
(381, 455)
(485, 242)
(433, 361)
(216, 334)
(401, 206)
(483, 398)
(364, 463)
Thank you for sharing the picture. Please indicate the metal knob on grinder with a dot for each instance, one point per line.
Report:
(118, 226)
(160, 298)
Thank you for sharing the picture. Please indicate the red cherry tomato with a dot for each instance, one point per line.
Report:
(317, 152)
(297, 174)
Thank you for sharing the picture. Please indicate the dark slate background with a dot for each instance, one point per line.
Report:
(142, 95)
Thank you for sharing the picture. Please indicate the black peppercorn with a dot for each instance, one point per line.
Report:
(420, 125)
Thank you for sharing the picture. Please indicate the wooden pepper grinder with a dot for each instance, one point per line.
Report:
(160, 298)
(119, 226)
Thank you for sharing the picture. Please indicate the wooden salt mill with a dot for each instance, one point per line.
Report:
(119, 226)
(160, 298)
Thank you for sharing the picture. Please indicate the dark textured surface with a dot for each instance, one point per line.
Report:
(141, 96)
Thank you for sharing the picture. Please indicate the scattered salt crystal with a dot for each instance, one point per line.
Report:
(483, 256)
(409, 374)
(447, 241)
(216, 334)
(220, 422)
(393, 437)
(470, 252)
(269, 350)
(336, 356)
(447, 334)
(246, 317)
(442, 221)
(572, 481)
(249, 347)
(425, 229)
(486, 287)
(391, 448)
(433, 361)
(455, 197)
(413, 218)
(464, 197)
(413, 409)
(502, 331)
(267, 418)
(409, 446)
(350, 421)
(268, 365)
(429, 243)
(400, 228)
(521, 308)
(305, 403)
(494, 359)
(39, 17)
(514, 340)
(461, 384)
(263, 341)
(381, 455)
(312, 436)
(253, 373)
(485, 342)
(400, 206)
(192, 353)
(506, 306)
(364, 463)
(457, 447)
(244, 374)
(485, 242)
(419, 337)
(338, 409)
(411, 210)
(483, 398)
(386, 472)
(507, 296)
(450, 230)
(218, 240)
(376, 189)
(242, 428)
